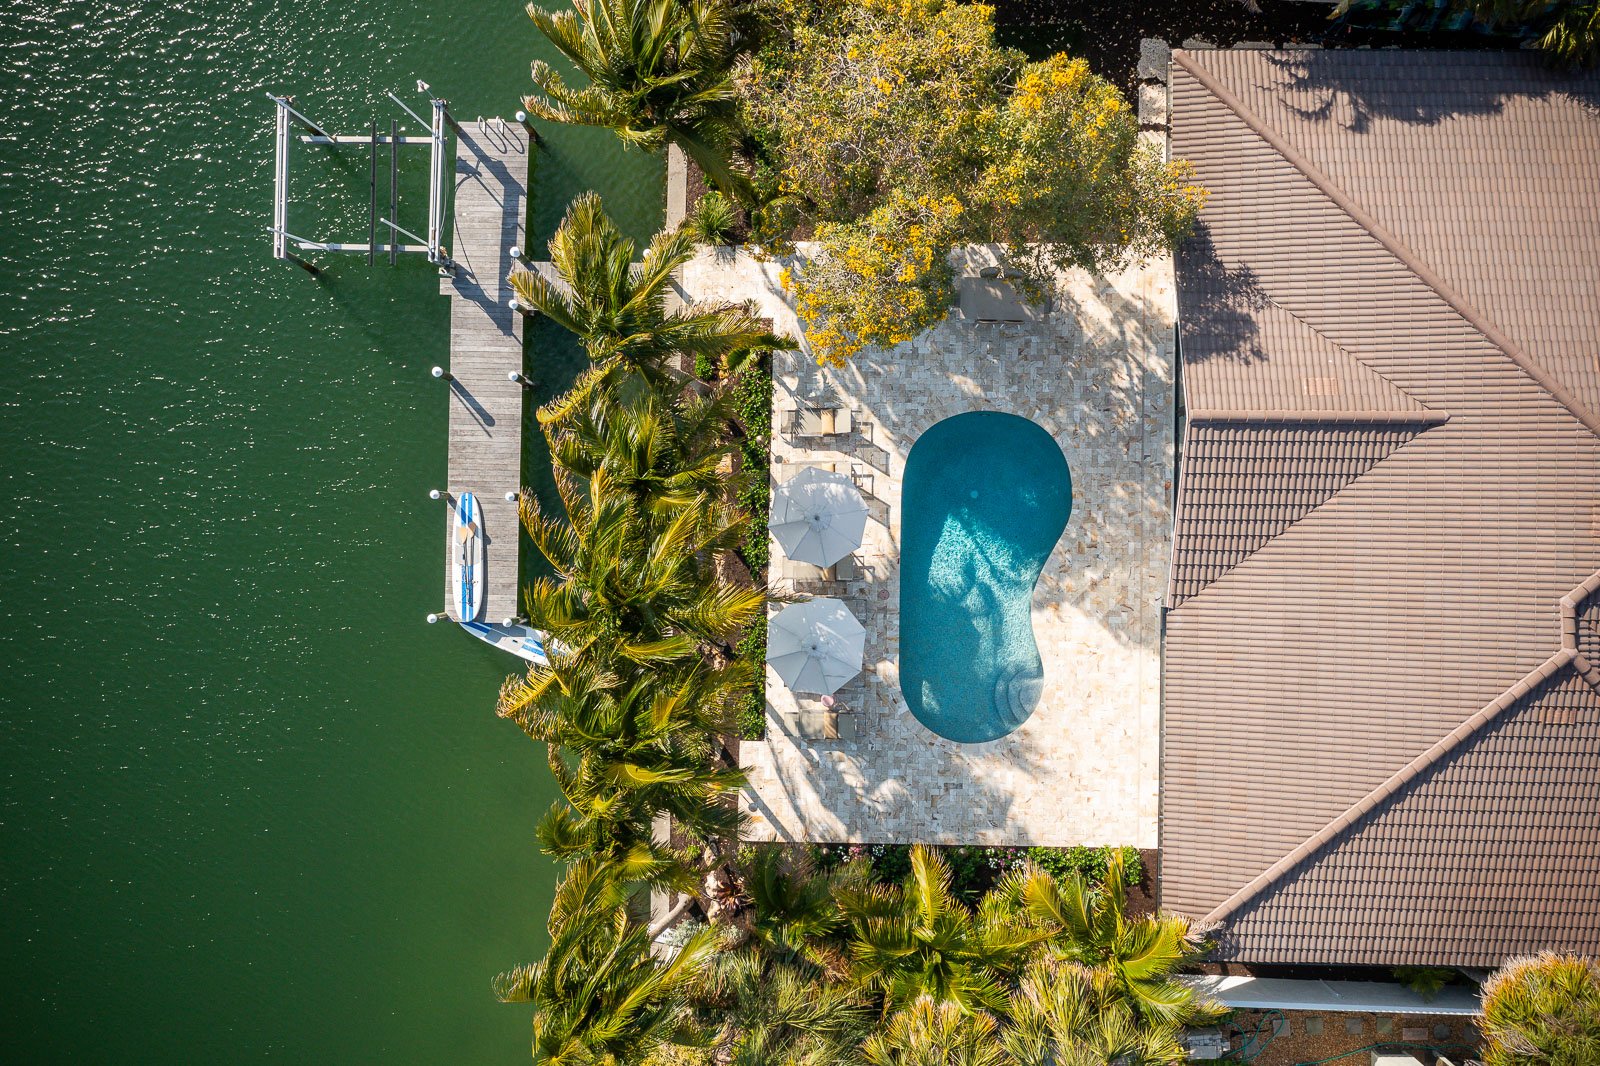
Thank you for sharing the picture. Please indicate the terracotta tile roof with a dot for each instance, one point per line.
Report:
(1249, 481)
(1390, 486)
(1482, 816)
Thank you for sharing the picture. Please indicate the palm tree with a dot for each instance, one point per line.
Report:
(773, 1011)
(793, 912)
(618, 308)
(663, 453)
(628, 583)
(1064, 1014)
(1543, 1011)
(916, 939)
(658, 70)
(1573, 39)
(628, 743)
(1091, 926)
(600, 997)
(933, 1033)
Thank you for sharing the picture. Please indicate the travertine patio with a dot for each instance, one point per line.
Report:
(1097, 374)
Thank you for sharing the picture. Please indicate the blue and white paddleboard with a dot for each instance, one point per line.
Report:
(516, 639)
(466, 557)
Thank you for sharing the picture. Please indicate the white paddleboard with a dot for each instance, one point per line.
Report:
(517, 639)
(466, 557)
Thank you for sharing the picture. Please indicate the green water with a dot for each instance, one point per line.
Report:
(251, 806)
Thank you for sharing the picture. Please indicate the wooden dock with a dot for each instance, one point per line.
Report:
(491, 187)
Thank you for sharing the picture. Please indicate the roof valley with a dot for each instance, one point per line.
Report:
(1375, 229)
(1342, 601)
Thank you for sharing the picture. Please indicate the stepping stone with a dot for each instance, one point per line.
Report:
(1152, 105)
(1154, 55)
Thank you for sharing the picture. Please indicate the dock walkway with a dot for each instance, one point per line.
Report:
(491, 188)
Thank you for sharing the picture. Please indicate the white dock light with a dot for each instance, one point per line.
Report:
(442, 374)
(511, 497)
(434, 494)
(432, 618)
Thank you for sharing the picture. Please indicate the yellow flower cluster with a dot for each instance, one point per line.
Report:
(880, 281)
(907, 130)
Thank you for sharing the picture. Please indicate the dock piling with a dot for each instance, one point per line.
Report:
(525, 123)
(372, 210)
(394, 184)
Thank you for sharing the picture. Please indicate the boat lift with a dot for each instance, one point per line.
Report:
(438, 142)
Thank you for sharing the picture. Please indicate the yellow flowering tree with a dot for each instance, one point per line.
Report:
(1067, 182)
(898, 130)
(878, 281)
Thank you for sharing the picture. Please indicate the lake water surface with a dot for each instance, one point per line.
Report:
(251, 807)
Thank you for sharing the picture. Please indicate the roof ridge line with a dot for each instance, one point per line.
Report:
(1378, 232)
(1347, 351)
(1587, 670)
(1427, 416)
(1404, 776)
(1569, 609)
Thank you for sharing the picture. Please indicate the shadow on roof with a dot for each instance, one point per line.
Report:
(1357, 87)
(1216, 305)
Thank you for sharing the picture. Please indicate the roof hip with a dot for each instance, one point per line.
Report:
(1405, 775)
(1391, 243)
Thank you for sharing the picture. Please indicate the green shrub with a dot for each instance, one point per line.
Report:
(1091, 863)
(704, 368)
(751, 393)
(1542, 1010)
(752, 709)
(1425, 981)
(713, 219)
(891, 863)
(974, 868)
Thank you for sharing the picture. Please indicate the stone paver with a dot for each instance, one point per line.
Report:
(1083, 769)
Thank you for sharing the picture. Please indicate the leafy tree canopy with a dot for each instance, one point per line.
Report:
(899, 129)
(657, 71)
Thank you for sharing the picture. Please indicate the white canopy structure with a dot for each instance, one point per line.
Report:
(815, 646)
(818, 517)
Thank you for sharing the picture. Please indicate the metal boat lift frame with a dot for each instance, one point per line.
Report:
(438, 192)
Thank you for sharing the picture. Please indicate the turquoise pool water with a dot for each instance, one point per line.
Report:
(985, 497)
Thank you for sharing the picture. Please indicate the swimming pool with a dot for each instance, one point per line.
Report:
(984, 499)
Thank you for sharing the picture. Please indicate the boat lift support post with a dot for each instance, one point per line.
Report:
(437, 140)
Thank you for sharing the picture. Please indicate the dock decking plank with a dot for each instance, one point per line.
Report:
(485, 436)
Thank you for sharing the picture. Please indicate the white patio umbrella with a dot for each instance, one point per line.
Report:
(818, 517)
(816, 646)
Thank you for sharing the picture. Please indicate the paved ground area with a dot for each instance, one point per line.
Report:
(1083, 769)
(1288, 1038)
